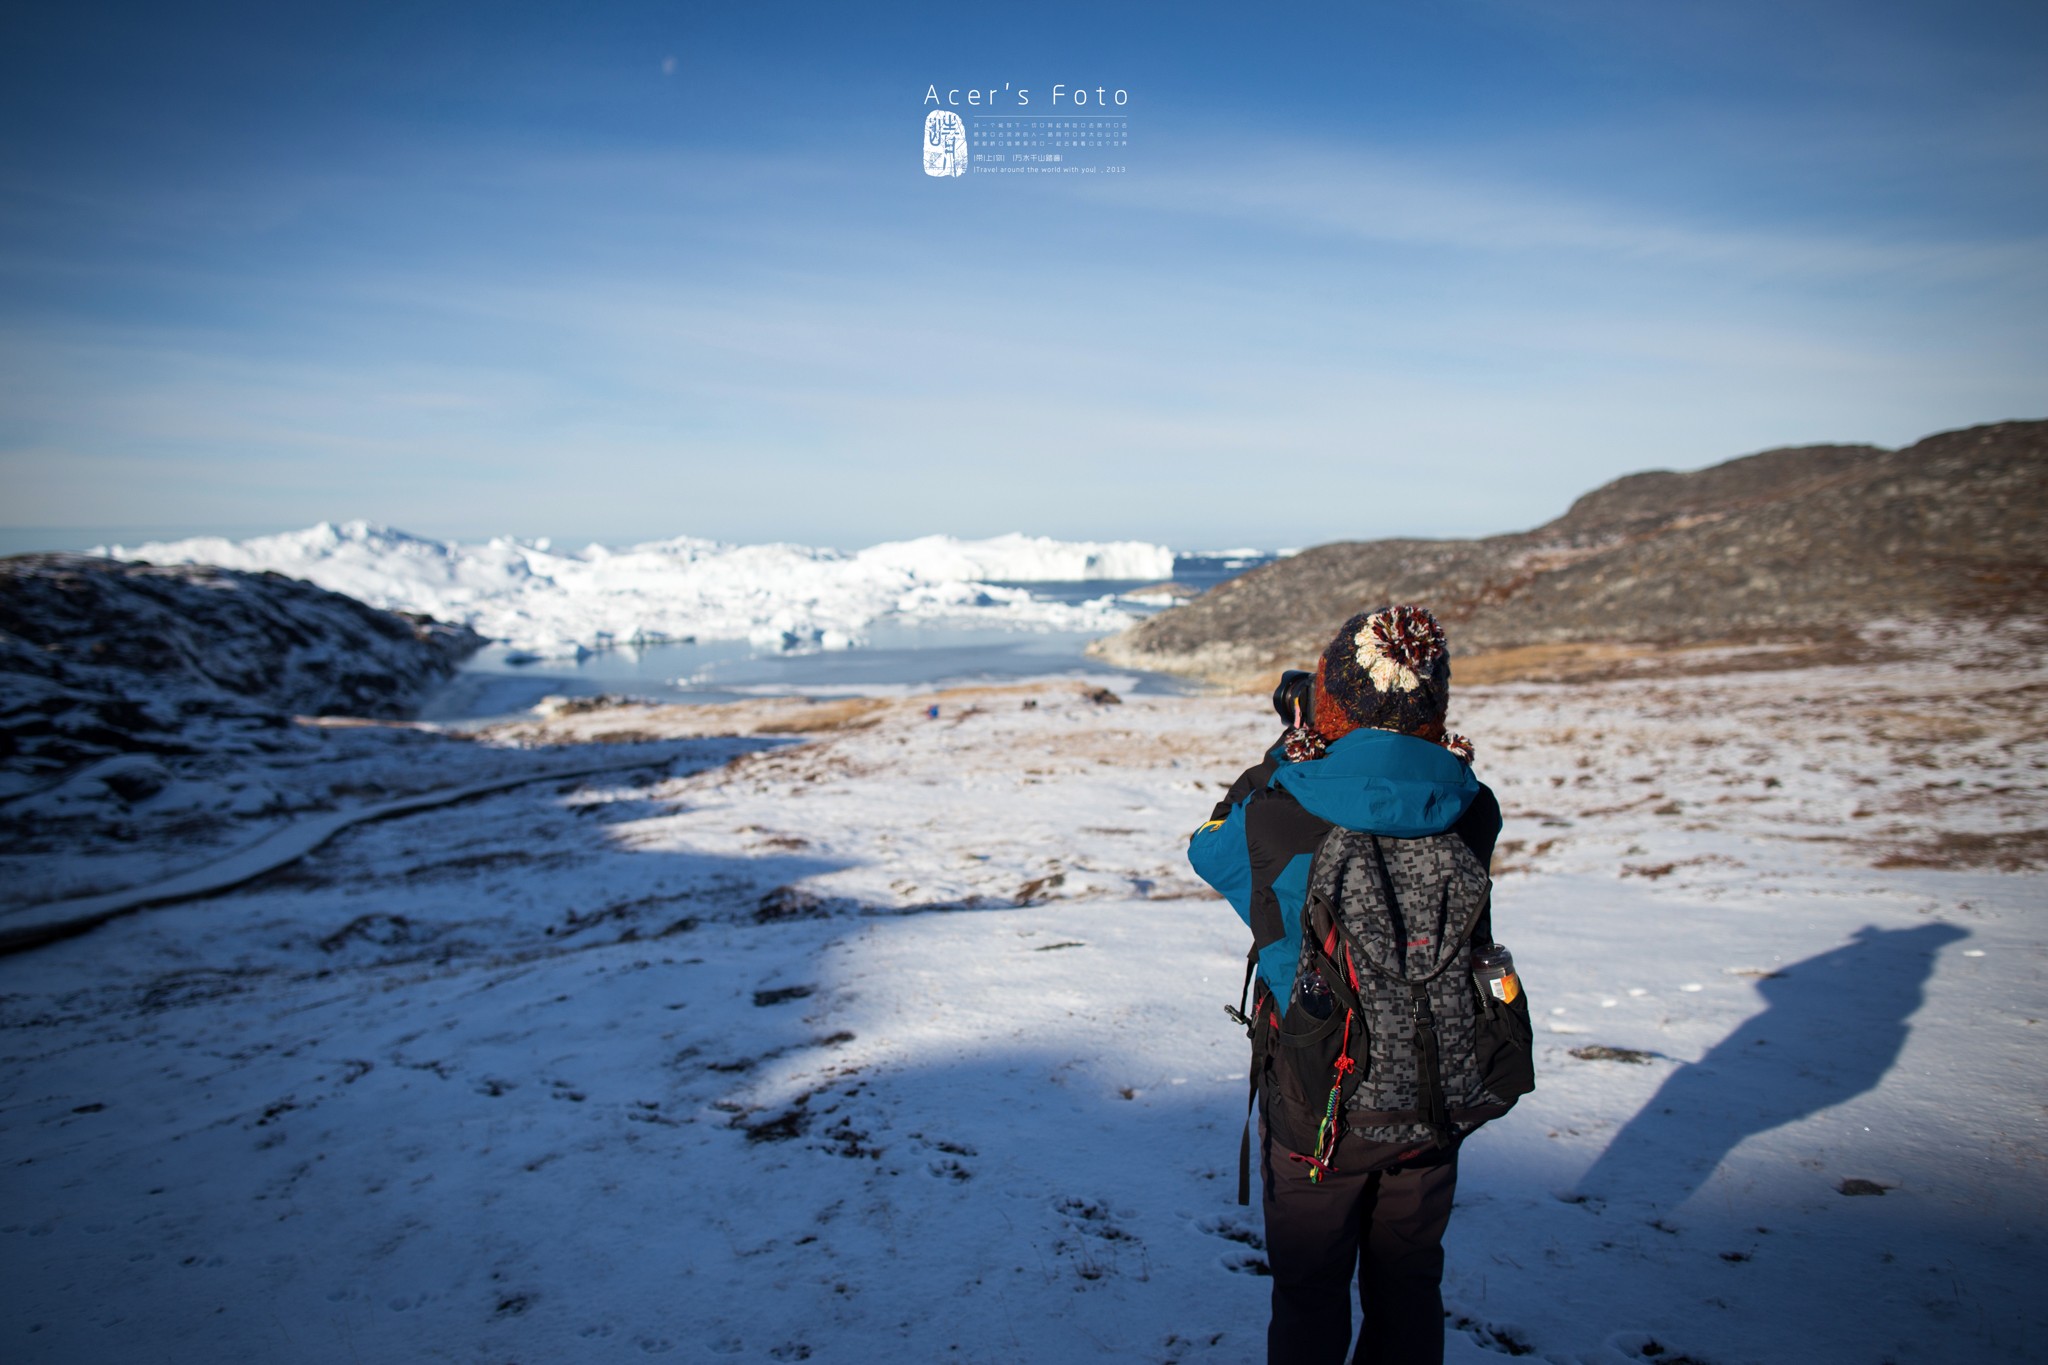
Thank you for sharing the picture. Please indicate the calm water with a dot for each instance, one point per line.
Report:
(895, 657)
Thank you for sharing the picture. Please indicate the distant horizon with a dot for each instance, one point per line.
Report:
(77, 539)
(15, 540)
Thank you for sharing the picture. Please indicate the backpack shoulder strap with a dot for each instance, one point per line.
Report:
(1255, 1026)
(1277, 830)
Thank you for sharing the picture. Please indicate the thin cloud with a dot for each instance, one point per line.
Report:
(1345, 193)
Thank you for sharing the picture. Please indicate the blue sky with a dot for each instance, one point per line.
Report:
(629, 271)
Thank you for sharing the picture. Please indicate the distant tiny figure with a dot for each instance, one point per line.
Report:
(932, 712)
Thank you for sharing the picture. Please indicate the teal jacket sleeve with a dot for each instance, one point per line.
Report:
(1265, 878)
(1218, 853)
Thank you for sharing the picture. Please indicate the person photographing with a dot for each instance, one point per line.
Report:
(1384, 1025)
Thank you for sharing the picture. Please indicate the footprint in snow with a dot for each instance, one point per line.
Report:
(1250, 1256)
(1092, 1219)
(1507, 1340)
(1098, 1247)
(1231, 1230)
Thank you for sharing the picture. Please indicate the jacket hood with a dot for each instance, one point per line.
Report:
(1381, 782)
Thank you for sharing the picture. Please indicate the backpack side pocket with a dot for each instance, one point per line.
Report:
(1507, 1056)
(1301, 1071)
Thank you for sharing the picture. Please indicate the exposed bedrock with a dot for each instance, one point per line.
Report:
(1799, 549)
(100, 657)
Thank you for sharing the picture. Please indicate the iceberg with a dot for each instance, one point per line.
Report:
(1023, 559)
(545, 602)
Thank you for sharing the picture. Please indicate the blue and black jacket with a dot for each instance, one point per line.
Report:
(1259, 841)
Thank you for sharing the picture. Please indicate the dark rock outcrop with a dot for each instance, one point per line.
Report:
(100, 657)
(1788, 547)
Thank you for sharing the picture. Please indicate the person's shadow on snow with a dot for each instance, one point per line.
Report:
(1833, 1025)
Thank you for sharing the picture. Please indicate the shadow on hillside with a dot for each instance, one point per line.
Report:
(1832, 1027)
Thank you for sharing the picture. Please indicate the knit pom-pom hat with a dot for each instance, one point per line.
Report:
(1388, 669)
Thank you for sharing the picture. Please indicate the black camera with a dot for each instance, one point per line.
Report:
(1295, 698)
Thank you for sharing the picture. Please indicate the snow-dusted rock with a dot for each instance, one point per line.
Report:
(101, 658)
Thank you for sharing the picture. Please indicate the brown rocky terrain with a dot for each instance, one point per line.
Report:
(1782, 557)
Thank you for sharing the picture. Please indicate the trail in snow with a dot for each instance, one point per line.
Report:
(31, 926)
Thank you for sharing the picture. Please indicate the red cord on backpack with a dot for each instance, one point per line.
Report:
(1327, 1131)
(1316, 1169)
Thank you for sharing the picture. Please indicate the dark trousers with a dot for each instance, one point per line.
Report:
(1387, 1226)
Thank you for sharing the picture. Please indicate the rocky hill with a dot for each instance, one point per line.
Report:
(100, 657)
(1792, 551)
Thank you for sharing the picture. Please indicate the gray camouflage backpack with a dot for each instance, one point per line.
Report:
(1386, 1033)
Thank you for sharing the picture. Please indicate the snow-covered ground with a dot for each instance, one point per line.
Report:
(865, 1035)
(551, 602)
